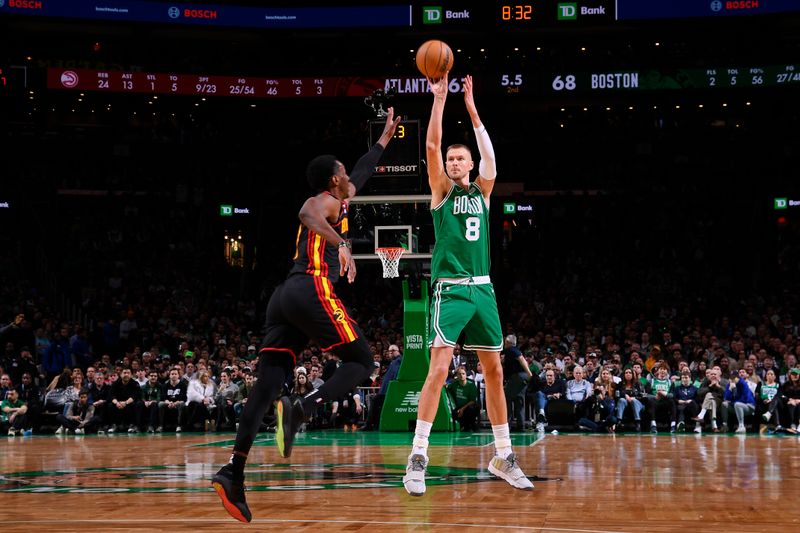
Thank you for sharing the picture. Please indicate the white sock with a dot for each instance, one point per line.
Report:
(421, 434)
(701, 414)
(502, 440)
(652, 423)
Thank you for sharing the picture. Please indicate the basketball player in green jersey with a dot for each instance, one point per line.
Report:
(463, 296)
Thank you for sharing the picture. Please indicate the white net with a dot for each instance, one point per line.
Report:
(390, 258)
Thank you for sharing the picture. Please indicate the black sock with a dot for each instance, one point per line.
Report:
(237, 461)
(270, 380)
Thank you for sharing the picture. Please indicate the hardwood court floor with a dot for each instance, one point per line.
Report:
(340, 481)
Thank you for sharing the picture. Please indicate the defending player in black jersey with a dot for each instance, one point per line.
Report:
(302, 307)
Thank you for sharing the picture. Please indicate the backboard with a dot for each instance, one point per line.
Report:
(391, 220)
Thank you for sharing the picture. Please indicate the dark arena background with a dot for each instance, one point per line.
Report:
(647, 207)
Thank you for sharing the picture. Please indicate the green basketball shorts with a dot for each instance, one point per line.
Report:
(467, 305)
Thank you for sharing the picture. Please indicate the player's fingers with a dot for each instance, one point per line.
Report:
(351, 273)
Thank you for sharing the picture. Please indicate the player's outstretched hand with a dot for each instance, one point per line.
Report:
(469, 99)
(439, 87)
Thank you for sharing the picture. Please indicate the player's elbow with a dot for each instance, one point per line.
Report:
(304, 214)
(488, 168)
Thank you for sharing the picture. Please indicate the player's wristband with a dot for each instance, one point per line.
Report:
(344, 244)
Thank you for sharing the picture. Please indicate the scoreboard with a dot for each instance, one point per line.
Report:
(512, 82)
(209, 85)
(661, 79)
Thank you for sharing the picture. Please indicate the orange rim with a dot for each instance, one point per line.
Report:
(390, 251)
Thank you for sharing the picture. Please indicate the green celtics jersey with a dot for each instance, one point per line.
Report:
(461, 224)
(768, 391)
(661, 385)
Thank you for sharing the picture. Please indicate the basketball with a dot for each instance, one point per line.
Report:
(434, 59)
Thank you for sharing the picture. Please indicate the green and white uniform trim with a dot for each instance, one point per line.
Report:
(467, 305)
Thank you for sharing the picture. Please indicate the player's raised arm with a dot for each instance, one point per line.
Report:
(365, 166)
(437, 179)
(487, 169)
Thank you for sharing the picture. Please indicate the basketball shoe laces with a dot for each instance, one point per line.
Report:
(418, 463)
(512, 461)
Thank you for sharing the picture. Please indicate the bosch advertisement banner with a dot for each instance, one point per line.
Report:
(639, 9)
(213, 15)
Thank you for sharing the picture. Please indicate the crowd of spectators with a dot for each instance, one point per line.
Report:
(170, 360)
(713, 382)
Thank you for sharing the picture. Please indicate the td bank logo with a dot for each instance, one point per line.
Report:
(436, 15)
(226, 210)
(509, 209)
(432, 14)
(567, 11)
(570, 11)
(781, 203)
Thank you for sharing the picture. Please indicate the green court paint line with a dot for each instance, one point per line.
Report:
(194, 477)
(376, 438)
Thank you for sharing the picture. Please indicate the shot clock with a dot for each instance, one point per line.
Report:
(401, 157)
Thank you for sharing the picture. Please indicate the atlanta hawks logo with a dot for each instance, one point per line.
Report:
(338, 316)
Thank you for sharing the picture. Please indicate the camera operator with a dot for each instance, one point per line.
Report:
(602, 411)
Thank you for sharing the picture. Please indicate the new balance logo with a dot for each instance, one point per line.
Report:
(408, 404)
(411, 399)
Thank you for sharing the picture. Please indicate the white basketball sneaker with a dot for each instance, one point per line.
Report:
(509, 470)
(414, 480)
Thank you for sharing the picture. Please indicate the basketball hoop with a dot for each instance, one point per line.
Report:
(390, 258)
